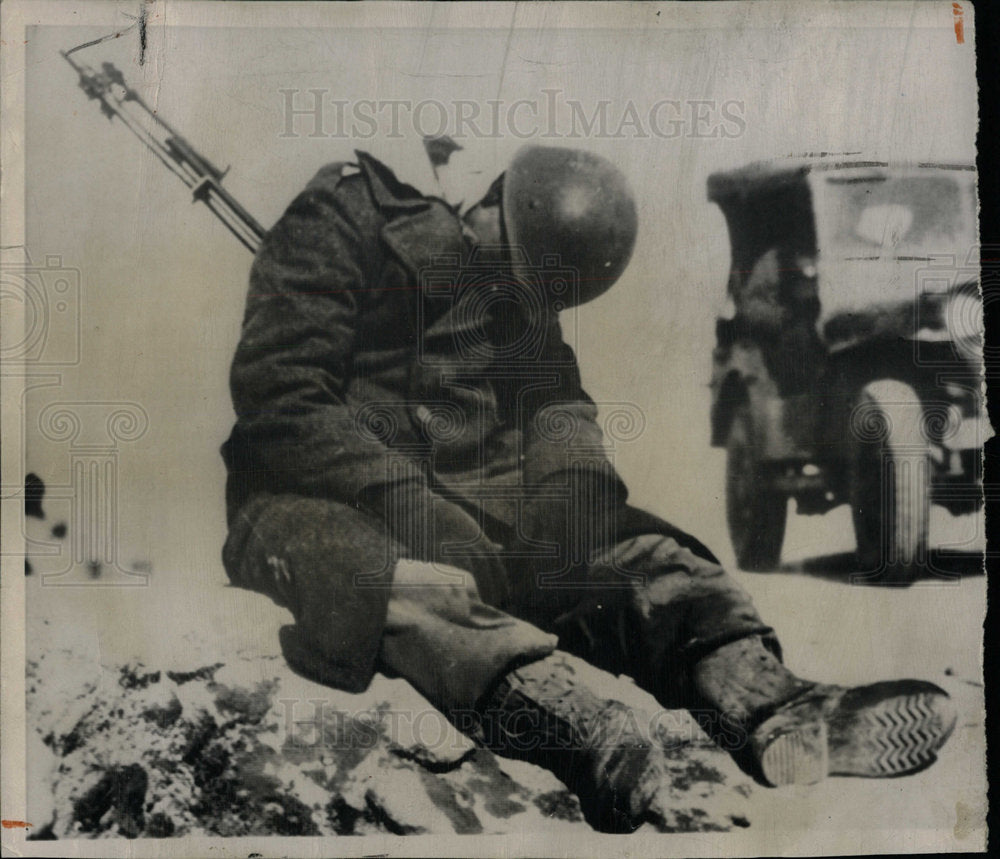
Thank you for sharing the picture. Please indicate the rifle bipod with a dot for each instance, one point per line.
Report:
(118, 99)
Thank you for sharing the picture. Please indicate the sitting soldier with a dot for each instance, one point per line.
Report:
(418, 475)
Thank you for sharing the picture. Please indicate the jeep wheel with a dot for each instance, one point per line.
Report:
(756, 513)
(890, 482)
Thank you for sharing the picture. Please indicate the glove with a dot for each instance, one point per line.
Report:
(432, 528)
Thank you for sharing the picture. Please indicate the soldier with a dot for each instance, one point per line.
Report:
(418, 475)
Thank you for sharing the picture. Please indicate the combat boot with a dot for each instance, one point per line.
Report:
(601, 749)
(882, 730)
(799, 732)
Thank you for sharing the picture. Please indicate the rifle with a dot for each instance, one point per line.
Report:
(117, 99)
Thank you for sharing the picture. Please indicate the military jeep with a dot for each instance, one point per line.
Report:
(848, 363)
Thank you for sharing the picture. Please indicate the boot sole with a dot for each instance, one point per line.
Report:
(883, 737)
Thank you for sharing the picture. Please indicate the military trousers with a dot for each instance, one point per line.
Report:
(647, 607)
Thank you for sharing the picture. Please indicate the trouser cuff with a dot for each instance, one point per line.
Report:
(696, 649)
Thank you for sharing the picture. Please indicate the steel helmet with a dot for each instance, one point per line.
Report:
(568, 212)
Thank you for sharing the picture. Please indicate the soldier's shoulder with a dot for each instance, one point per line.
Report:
(330, 175)
(368, 189)
(345, 184)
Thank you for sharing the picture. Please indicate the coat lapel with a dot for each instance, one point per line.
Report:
(418, 229)
(425, 240)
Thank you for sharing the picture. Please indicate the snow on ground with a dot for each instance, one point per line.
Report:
(830, 630)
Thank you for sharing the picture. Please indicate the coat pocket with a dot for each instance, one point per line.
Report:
(455, 413)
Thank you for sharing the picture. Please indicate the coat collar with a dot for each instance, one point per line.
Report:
(419, 229)
(388, 191)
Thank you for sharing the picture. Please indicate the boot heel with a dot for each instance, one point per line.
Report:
(796, 755)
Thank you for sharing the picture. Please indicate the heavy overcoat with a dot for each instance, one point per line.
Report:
(378, 347)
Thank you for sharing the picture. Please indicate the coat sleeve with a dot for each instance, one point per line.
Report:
(561, 432)
(564, 447)
(308, 285)
(576, 493)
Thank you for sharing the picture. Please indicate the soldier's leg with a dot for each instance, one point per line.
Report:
(359, 604)
(501, 680)
(686, 631)
(331, 566)
(446, 641)
(652, 608)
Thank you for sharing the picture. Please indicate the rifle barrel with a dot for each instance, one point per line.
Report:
(179, 156)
